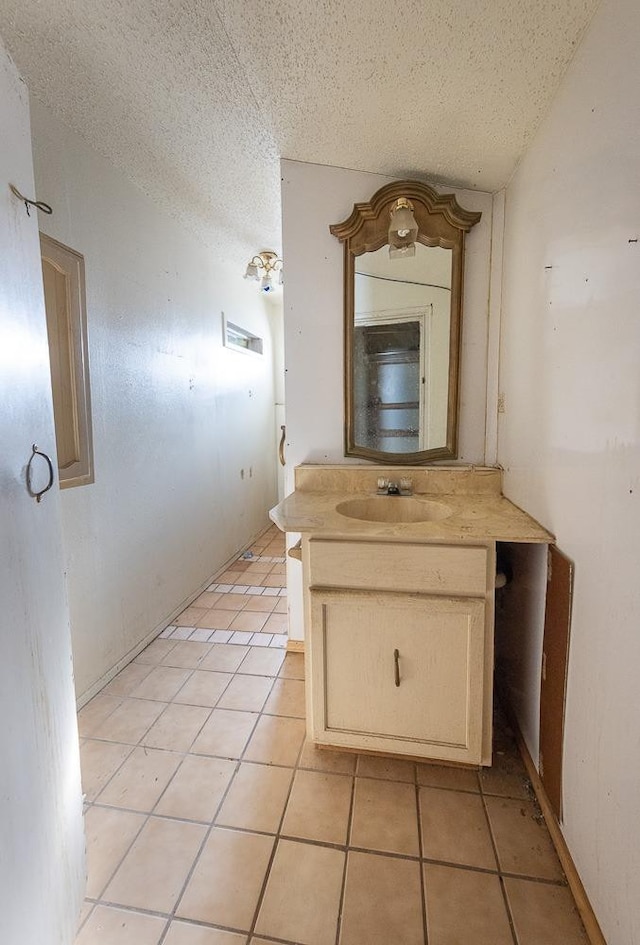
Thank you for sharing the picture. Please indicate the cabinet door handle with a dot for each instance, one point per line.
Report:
(38, 495)
(396, 666)
(281, 446)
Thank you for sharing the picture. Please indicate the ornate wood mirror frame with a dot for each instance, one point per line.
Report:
(441, 222)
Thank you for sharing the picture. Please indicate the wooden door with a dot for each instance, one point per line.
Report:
(553, 684)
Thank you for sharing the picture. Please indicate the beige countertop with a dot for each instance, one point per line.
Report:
(483, 515)
(472, 518)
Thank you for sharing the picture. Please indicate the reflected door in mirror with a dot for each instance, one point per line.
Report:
(388, 384)
(402, 318)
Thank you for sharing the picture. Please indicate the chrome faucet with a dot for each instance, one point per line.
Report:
(389, 487)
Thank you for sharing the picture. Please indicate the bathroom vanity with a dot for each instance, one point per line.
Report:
(399, 605)
(399, 589)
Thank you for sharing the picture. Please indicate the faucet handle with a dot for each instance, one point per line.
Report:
(406, 485)
(382, 484)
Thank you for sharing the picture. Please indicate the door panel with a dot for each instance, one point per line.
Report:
(428, 693)
(555, 662)
(41, 835)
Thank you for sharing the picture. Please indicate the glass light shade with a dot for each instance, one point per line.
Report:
(252, 272)
(266, 283)
(403, 229)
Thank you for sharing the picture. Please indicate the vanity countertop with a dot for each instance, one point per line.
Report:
(479, 512)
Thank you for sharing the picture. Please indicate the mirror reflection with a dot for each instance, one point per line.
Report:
(403, 276)
(401, 337)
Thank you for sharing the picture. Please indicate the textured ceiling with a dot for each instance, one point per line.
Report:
(196, 100)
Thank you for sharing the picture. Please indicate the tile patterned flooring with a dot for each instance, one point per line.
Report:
(211, 820)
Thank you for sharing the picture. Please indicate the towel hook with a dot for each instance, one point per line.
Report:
(39, 204)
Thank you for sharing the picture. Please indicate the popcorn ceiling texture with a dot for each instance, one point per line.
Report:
(197, 101)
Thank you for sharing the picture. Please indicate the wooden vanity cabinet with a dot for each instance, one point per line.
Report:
(400, 647)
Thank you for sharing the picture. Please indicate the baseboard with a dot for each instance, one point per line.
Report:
(100, 683)
(295, 646)
(584, 907)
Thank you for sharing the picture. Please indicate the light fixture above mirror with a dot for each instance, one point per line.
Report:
(403, 317)
(403, 229)
(266, 268)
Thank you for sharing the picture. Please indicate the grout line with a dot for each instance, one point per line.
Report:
(343, 885)
(507, 906)
(391, 854)
(116, 770)
(540, 880)
(103, 720)
(346, 847)
(101, 901)
(423, 880)
(149, 814)
(269, 938)
(165, 931)
(442, 787)
(82, 924)
(494, 844)
(199, 852)
(276, 844)
(169, 917)
(111, 904)
(104, 887)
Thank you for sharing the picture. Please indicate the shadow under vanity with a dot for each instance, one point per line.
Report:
(399, 612)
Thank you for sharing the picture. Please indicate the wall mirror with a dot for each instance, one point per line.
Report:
(403, 279)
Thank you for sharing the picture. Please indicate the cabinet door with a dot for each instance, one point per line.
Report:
(398, 673)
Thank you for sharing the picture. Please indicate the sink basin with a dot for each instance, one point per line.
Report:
(393, 509)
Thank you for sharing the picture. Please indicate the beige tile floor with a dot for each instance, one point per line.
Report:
(212, 821)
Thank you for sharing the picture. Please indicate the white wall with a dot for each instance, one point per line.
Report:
(570, 436)
(41, 832)
(176, 416)
(519, 631)
(313, 197)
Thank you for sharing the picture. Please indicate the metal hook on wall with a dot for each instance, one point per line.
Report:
(39, 204)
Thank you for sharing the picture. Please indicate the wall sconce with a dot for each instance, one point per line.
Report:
(403, 229)
(265, 268)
